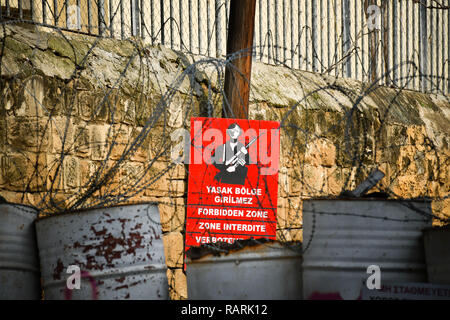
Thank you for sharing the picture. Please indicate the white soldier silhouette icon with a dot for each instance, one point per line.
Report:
(232, 158)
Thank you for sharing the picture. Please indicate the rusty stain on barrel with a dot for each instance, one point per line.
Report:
(19, 265)
(119, 251)
(265, 271)
(342, 238)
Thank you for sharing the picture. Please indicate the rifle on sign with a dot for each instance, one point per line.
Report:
(234, 160)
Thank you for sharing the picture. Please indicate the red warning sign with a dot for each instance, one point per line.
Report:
(233, 180)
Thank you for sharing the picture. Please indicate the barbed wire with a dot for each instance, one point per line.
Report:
(133, 152)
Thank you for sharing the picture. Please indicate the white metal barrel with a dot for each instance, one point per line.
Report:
(119, 251)
(342, 238)
(19, 265)
(265, 271)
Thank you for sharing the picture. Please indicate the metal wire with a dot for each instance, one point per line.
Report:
(275, 40)
(196, 88)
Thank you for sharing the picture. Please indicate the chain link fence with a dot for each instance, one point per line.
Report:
(362, 40)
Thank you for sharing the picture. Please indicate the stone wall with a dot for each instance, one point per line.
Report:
(85, 100)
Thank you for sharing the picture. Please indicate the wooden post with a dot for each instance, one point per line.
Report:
(237, 73)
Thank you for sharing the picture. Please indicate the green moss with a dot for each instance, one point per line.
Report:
(395, 108)
(315, 96)
(122, 48)
(81, 50)
(425, 102)
(60, 46)
(334, 125)
(76, 50)
(182, 60)
(52, 65)
(296, 127)
(276, 105)
(17, 47)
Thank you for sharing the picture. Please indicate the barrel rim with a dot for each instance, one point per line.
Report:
(88, 210)
(247, 257)
(20, 205)
(248, 244)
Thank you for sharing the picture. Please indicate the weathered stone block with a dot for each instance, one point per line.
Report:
(296, 235)
(177, 284)
(284, 235)
(289, 217)
(119, 140)
(178, 172)
(335, 180)
(93, 105)
(55, 177)
(282, 213)
(127, 111)
(173, 249)
(27, 134)
(441, 210)
(296, 183)
(52, 65)
(283, 182)
(87, 171)
(321, 153)
(82, 141)
(173, 213)
(314, 180)
(294, 212)
(24, 171)
(32, 98)
(63, 133)
(141, 141)
(416, 135)
(161, 180)
(86, 104)
(14, 197)
(393, 135)
(3, 134)
(410, 186)
(160, 143)
(177, 111)
(166, 188)
(72, 173)
(130, 174)
(98, 137)
(385, 182)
